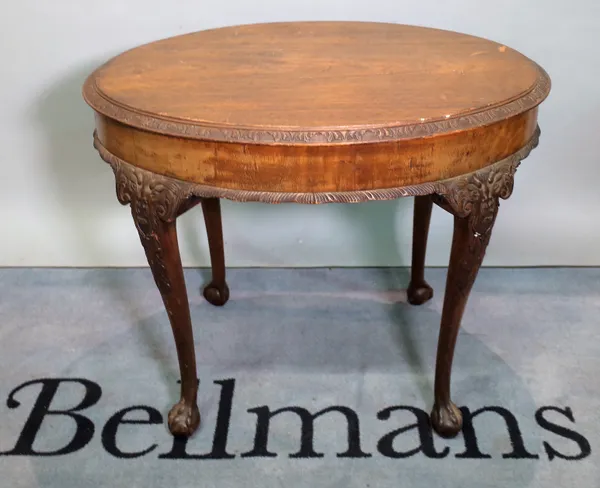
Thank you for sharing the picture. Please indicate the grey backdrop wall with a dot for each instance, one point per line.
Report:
(57, 203)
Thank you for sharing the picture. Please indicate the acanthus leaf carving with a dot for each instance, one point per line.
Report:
(155, 200)
(476, 196)
(475, 199)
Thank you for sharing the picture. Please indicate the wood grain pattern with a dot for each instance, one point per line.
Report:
(315, 169)
(436, 187)
(316, 83)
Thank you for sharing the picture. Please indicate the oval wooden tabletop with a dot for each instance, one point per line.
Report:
(316, 83)
(316, 112)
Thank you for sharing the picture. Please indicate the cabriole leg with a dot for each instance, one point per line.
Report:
(473, 200)
(156, 202)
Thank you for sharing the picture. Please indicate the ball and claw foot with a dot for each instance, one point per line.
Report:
(184, 419)
(446, 420)
(419, 293)
(216, 294)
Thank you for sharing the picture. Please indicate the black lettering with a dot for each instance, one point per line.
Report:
(41, 409)
(219, 450)
(264, 416)
(386, 444)
(584, 446)
(109, 433)
(472, 447)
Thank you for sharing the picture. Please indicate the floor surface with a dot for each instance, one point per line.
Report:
(83, 353)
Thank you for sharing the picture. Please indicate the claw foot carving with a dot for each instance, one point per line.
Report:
(184, 419)
(446, 419)
(216, 294)
(419, 292)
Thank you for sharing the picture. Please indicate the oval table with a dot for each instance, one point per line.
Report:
(316, 112)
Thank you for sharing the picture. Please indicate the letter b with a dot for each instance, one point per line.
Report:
(41, 409)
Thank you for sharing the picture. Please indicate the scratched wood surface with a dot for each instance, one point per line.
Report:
(316, 106)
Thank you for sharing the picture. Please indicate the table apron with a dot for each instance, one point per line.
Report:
(317, 169)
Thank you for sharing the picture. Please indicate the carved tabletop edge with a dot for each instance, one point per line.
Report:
(274, 136)
(128, 175)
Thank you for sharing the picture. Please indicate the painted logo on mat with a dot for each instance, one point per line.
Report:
(553, 421)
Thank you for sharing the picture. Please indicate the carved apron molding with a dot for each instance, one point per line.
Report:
(447, 188)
